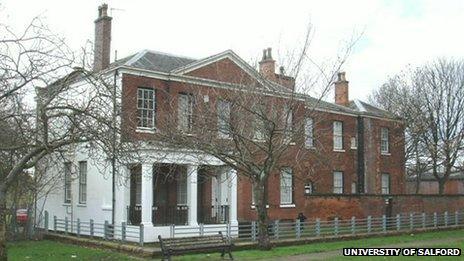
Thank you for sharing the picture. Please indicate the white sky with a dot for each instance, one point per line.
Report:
(395, 33)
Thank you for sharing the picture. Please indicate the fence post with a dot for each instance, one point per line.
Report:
(46, 220)
(353, 225)
(123, 231)
(91, 228)
(276, 229)
(411, 221)
(336, 226)
(298, 228)
(253, 230)
(78, 227)
(384, 223)
(423, 220)
(398, 222)
(141, 230)
(229, 232)
(435, 219)
(66, 225)
(172, 229)
(318, 226)
(446, 218)
(201, 229)
(105, 230)
(369, 224)
(456, 218)
(54, 223)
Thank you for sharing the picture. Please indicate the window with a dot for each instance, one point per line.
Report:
(354, 142)
(185, 112)
(67, 182)
(338, 135)
(182, 189)
(138, 188)
(259, 128)
(384, 146)
(338, 182)
(286, 182)
(146, 108)
(354, 188)
(82, 182)
(288, 121)
(223, 111)
(309, 188)
(309, 140)
(385, 183)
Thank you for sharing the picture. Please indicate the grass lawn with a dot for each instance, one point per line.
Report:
(52, 250)
(328, 246)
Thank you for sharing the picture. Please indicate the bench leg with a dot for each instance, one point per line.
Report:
(223, 252)
(230, 253)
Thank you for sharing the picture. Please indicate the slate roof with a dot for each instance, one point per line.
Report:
(364, 108)
(428, 176)
(154, 61)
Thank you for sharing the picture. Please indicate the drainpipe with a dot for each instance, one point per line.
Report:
(113, 156)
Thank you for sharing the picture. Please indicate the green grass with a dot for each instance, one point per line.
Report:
(328, 246)
(51, 251)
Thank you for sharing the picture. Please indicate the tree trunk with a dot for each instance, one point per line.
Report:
(441, 186)
(3, 251)
(264, 242)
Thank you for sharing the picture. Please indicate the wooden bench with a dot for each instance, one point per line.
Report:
(182, 245)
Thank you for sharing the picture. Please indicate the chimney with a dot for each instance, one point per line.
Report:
(341, 90)
(267, 65)
(102, 47)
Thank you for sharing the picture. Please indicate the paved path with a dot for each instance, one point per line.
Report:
(338, 253)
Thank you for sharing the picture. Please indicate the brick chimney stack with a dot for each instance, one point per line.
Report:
(267, 65)
(341, 90)
(102, 39)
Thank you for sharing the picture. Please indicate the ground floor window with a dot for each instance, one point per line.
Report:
(338, 182)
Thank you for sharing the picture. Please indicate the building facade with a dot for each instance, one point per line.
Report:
(363, 147)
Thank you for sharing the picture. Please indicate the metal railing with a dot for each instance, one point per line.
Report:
(167, 215)
(218, 214)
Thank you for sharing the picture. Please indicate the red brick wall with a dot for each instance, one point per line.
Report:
(452, 186)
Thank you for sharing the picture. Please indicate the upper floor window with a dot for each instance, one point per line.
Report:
(338, 135)
(286, 186)
(146, 108)
(67, 182)
(288, 121)
(384, 141)
(309, 133)
(259, 128)
(338, 182)
(385, 183)
(223, 112)
(354, 142)
(185, 112)
(82, 182)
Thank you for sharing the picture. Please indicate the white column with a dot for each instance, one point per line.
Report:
(147, 194)
(192, 172)
(233, 197)
(121, 198)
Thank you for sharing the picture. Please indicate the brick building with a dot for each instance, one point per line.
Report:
(365, 145)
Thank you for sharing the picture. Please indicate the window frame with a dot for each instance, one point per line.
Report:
(67, 182)
(83, 182)
(384, 140)
(287, 198)
(188, 112)
(309, 132)
(288, 121)
(385, 190)
(337, 137)
(142, 110)
(223, 121)
(338, 189)
(181, 189)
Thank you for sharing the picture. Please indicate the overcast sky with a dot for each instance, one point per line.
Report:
(395, 33)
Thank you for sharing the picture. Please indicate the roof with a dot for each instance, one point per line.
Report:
(154, 61)
(364, 108)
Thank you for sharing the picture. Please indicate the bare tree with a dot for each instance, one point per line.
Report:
(431, 100)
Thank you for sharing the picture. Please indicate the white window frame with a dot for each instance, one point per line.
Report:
(146, 108)
(138, 188)
(354, 142)
(288, 122)
(338, 135)
(185, 112)
(82, 182)
(385, 184)
(354, 188)
(338, 182)
(67, 182)
(384, 141)
(259, 128)
(286, 186)
(309, 132)
(223, 112)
